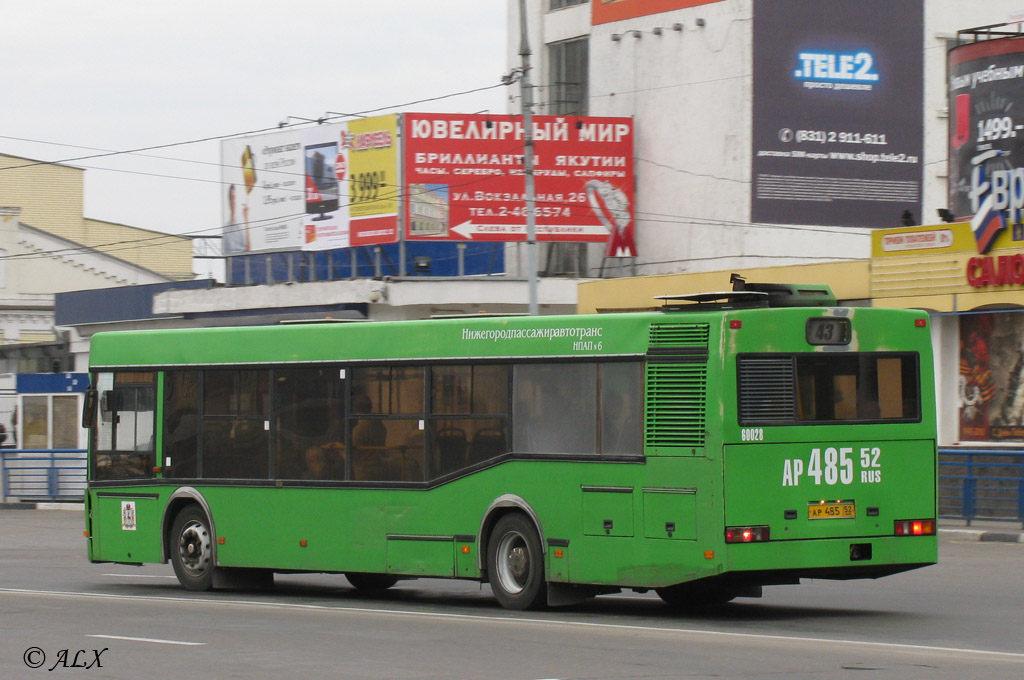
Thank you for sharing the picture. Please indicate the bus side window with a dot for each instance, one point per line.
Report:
(234, 434)
(603, 402)
(548, 399)
(622, 396)
(124, 446)
(468, 417)
(181, 424)
(309, 423)
(387, 424)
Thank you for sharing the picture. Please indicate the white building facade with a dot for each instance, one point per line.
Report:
(696, 79)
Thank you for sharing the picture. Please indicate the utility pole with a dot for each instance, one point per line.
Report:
(526, 90)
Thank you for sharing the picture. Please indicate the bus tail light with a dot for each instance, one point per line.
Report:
(756, 534)
(914, 527)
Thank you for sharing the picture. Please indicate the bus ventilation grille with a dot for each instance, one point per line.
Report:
(767, 390)
(676, 405)
(679, 335)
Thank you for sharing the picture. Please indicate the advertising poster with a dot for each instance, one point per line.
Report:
(605, 11)
(373, 183)
(986, 137)
(838, 127)
(324, 187)
(991, 381)
(464, 179)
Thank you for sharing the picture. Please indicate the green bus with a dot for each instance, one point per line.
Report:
(722, 443)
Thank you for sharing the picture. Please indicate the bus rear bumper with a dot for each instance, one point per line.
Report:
(846, 558)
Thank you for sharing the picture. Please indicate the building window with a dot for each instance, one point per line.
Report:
(567, 77)
(559, 4)
(567, 95)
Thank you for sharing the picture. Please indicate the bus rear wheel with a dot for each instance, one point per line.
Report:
(515, 563)
(192, 549)
(370, 583)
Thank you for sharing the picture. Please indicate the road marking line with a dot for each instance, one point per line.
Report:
(142, 639)
(173, 578)
(1016, 656)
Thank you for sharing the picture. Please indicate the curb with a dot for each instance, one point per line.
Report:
(17, 506)
(979, 535)
(43, 506)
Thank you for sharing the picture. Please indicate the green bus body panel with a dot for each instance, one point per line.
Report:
(608, 511)
(584, 335)
(783, 330)
(120, 543)
(656, 521)
(413, 532)
(421, 555)
(670, 513)
(760, 487)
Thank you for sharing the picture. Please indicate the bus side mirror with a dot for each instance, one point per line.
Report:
(89, 408)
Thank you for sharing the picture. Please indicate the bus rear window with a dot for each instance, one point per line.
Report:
(828, 388)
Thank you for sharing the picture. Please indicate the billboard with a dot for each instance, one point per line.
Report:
(324, 187)
(986, 138)
(838, 117)
(605, 11)
(463, 179)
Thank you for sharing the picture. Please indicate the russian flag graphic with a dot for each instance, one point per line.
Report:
(987, 224)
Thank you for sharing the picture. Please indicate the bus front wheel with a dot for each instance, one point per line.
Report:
(192, 549)
(515, 563)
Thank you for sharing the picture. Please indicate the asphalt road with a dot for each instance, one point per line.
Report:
(963, 618)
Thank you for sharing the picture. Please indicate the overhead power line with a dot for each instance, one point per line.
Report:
(168, 145)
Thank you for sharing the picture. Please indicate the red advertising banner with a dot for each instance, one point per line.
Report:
(991, 381)
(464, 179)
(605, 11)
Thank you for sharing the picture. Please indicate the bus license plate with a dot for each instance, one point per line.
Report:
(832, 510)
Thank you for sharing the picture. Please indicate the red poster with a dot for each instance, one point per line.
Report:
(991, 385)
(464, 179)
(605, 11)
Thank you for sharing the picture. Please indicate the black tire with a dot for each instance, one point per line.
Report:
(696, 594)
(515, 564)
(191, 548)
(370, 583)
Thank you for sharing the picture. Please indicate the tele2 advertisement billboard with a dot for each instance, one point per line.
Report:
(838, 122)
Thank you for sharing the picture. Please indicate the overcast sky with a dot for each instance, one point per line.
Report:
(82, 75)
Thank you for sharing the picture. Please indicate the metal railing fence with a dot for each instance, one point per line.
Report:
(981, 484)
(43, 474)
(974, 484)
